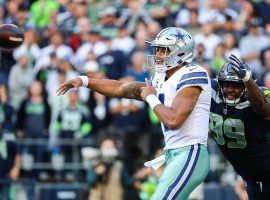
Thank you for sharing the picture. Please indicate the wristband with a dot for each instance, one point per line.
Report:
(85, 80)
(152, 100)
(247, 77)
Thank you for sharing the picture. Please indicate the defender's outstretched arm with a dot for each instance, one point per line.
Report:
(258, 100)
(107, 87)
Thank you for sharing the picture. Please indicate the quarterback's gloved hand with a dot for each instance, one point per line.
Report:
(241, 68)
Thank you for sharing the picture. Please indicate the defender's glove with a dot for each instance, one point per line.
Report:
(241, 68)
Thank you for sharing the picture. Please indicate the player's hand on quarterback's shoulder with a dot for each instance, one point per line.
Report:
(73, 83)
(241, 68)
(148, 89)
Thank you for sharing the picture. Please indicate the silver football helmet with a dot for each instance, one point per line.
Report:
(181, 45)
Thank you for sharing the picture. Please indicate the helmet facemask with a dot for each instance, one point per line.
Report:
(223, 95)
(159, 64)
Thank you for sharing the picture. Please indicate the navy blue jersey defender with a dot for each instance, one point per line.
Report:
(242, 135)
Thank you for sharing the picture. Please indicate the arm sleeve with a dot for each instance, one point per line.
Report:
(86, 126)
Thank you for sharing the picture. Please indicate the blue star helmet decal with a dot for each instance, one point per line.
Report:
(182, 37)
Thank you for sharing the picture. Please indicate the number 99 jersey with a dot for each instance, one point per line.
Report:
(242, 136)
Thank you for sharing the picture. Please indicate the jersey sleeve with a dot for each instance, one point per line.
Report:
(198, 77)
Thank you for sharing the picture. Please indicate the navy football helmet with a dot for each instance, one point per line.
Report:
(227, 74)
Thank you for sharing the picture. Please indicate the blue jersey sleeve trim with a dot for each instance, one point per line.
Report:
(192, 82)
(194, 75)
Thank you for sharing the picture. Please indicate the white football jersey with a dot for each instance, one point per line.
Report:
(195, 128)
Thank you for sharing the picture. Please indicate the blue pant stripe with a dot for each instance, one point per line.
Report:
(190, 173)
(180, 175)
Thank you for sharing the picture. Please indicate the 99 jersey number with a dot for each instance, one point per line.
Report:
(231, 128)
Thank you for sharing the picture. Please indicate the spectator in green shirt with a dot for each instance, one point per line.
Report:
(41, 11)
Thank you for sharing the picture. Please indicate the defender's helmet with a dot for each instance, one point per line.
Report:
(180, 43)
(227, 74)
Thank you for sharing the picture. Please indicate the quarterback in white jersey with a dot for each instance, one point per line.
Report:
(195, 128)
(179, 94)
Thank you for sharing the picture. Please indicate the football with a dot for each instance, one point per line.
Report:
(11, 36)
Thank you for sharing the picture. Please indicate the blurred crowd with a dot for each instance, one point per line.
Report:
(106, 39)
